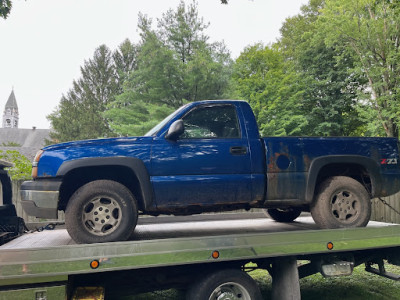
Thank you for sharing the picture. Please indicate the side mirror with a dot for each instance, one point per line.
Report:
(175, 130)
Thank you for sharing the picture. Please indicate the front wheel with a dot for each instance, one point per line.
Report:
(225, 284)
(341, 202)
(101, 211)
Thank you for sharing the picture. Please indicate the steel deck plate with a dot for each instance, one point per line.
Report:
(155, 228)
(53, 255)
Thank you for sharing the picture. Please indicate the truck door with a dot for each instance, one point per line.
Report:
(209, 164)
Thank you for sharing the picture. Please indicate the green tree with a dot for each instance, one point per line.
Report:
(125, 62)
(134, 118)
(204, 68)
(133, 113)
(330, 95)
(22, 168)
(79, 114)
(369, 31)
(66, 119)
(262, 76)
(158, 77)
(175, 64)
(182, 30)
(5, 8)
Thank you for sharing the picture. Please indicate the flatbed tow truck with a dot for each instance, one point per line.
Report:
(205, 254)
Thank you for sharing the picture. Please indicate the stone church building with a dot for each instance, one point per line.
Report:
(25, 141)
(10, 115)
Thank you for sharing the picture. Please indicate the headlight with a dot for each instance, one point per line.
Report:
(35, 163)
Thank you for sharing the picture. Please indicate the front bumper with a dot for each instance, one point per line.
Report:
(40, 198)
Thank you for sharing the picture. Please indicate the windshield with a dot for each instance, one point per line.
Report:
(160, 125)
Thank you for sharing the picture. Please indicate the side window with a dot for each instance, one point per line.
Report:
(218, 121)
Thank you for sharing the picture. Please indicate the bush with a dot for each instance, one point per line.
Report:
(22, 168)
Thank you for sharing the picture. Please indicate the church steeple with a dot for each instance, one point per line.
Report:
(10, 115)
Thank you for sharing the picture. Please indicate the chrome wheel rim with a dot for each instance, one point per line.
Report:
(345, 206)
(101, 216)
(230, 291)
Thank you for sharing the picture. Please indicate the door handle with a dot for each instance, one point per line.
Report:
(238, 150)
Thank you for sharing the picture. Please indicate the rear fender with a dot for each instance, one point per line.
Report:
(371, 166)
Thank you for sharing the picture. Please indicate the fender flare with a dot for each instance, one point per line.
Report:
(134, 164)
(317, 164)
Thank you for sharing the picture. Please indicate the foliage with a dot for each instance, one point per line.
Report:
(138, 119)
(335, 71)
(158, 77)
(369, 31)
(5, 8)
(125, 62)
(330, 93)
(79, 114)
(130, 90)
(22, 168)
(263, 78)
(174, 64)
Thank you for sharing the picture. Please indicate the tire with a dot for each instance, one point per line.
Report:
(341, 202)
(225, 284)
(101, 211)
(283, 215)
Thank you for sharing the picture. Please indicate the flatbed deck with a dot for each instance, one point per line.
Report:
(177, 227)
(161, 228)
(51, 261)
(54, 255)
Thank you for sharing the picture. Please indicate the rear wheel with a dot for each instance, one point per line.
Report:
(341, 202)
(101, 211)
(283, 215)
(225, 284)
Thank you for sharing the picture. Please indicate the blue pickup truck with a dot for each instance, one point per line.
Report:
(208, 156)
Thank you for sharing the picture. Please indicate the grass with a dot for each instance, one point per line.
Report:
(360, 285)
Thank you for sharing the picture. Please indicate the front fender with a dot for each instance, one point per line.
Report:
(136, 165)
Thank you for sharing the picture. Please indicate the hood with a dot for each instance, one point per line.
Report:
(97, 143)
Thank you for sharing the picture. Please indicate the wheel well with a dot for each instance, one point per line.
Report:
(355, 171)
(78, 177)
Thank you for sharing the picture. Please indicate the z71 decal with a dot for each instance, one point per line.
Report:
(389, 161)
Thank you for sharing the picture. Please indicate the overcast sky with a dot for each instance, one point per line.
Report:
(43, 43)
